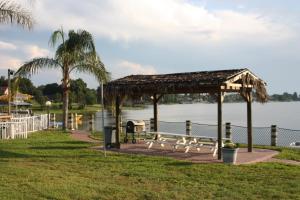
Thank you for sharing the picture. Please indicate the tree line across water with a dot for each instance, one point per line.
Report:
(81, 95)
(206, 98)
(79, 92)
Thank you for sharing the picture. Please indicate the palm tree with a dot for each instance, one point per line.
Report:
(11, 12)
(75, 53)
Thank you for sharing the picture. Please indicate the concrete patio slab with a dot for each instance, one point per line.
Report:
(203, 156)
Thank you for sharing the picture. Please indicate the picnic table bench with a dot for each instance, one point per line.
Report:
(186, 141)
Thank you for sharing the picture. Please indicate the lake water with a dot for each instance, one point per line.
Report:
(285, 115)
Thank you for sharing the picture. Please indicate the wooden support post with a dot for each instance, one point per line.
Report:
(249, 120)
(188, 127)
(70, 121)
(151, 125)
(155, 112)
(53, 120)
(228, 130)
(273, 135)
(220, 101)
(92, 122)
(117, 122)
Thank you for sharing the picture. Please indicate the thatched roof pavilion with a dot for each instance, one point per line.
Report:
(241, 81)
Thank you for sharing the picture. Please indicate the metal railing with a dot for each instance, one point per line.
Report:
(19, 127)
(260, 135)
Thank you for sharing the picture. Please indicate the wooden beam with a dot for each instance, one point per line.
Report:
(234, 87)
(118, 122)
(249, 120)
(155, 112)
(136, 92)
(238, 77)
(220, 98)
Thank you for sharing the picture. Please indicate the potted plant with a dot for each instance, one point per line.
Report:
(229, 151)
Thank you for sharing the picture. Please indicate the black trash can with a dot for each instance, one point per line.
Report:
(109, 136)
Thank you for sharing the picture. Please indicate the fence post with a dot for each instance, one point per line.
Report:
(151, 124)
(52, 115)
(26, 129)
(76, 121)
(12, 131)
(70, 121)
(273, 135)
(33, 125)
(121, 124)
(91, 122)
(188, 127)
(228, 130)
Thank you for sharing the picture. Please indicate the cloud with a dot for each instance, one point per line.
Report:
(159, 21)
(7, 46)
(7, 61)
(20, 53)
(34, 51)
(125, 68)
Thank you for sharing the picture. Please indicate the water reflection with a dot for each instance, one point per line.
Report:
(284, 115)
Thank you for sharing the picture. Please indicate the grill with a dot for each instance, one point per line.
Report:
(134, 127)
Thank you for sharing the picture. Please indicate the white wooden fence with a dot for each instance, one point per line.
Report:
(19, 127)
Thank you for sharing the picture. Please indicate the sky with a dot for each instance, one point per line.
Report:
(167, 36)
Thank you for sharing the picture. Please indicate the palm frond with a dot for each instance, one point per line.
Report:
(93, 66)
(80, 41)
(11, 12)
(33, 66)
(56, 36)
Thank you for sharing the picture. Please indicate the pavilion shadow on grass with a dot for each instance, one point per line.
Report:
(216, 83)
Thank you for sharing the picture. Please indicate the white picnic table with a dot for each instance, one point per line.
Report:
(187, 141)
(295, 144)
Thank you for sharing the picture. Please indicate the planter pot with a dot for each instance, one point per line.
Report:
(229, 155)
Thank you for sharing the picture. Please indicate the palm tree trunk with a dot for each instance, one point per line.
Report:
(65, 101)
(65, 108)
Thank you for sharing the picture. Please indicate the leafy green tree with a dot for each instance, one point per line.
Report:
(52, 91)
(39, 97)
(91, 97)
(75, 52)
(3, 81)
(295, 96)
(78, 92)
(24, 85)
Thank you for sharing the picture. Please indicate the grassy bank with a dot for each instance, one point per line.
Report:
(285, 153)
(56, 108)
(51, 165)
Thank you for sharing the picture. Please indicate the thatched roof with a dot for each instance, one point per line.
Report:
(233, 80)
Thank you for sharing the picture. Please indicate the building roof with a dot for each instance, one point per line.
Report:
(233, 80)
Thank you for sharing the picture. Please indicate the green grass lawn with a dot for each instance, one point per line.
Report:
(87, 109)
(284, 153)
(51, 165)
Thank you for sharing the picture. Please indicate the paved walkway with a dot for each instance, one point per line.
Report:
(204, 156)
(82, 136)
